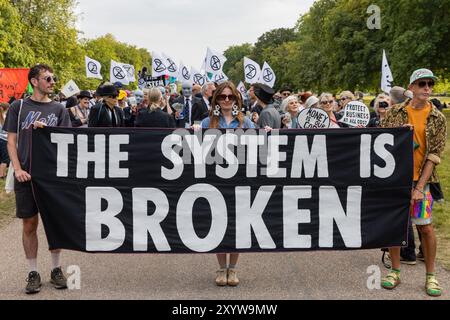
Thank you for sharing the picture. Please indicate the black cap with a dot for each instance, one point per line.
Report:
(264, 93)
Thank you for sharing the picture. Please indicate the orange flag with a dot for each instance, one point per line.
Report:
(13, 83)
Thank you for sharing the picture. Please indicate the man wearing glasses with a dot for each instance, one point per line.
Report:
(430, 131)
(36, 111)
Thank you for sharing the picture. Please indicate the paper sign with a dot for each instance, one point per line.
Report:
(356, 114)
(70, 89)
(313, 118)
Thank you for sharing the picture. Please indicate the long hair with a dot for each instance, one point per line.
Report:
(214, 120)
(154, 99)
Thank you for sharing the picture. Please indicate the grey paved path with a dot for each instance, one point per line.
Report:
(315, 275)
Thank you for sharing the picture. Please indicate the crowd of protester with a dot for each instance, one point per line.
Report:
(221, 106)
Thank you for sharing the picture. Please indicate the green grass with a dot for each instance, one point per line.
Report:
(7, 205)
(441, 211)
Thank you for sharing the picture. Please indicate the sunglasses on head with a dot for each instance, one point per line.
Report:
(422, 84)
(50, 78)
(223, 97)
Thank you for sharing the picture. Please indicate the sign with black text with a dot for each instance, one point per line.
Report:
(216, 191)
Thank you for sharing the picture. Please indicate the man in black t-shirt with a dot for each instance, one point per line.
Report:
(37, 111)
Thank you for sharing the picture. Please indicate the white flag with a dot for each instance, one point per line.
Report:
(118, 73)
(387, 80)
(70, 89)
(214, 62)
(267, 75)
(198, 77)
(252, 71)
(219, 77)
(184, 73)
(159, 67)
(130, 72)
(241, 88)
(93, 68)
(172, 68)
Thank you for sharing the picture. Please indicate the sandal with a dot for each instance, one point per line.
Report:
(391, 281)
(432, 286)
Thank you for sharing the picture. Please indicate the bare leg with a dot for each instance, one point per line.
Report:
(222, 259)
(395, 257)
(429, 245)
(3, 170)
(234, 259)
(29, 237)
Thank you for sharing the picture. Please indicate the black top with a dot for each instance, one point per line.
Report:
(102, 116)
(198, 113)
(154, 119)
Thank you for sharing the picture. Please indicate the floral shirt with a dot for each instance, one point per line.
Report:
(435, 133)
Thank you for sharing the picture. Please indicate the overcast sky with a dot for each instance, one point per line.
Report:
(184, 29)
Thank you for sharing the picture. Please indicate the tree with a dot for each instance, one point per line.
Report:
(13, 51)
(234, 67)
(273, 38)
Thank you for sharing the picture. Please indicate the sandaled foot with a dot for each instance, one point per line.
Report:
(432, 286)
(391, 281)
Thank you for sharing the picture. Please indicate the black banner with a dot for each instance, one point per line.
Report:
(217, 191)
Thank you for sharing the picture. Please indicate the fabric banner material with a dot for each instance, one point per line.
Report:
(93, 68)
(176, 191)
(387, 79)
(13, 83)
(118, 73)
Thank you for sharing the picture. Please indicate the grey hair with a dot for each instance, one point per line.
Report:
(285, 103)
(205, 87)
(326, 95)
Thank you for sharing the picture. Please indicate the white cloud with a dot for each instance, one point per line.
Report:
(184, 28)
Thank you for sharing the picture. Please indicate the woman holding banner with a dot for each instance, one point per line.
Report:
(326, 103)
(226, 113)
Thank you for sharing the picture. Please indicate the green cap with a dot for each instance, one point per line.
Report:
(422, 74)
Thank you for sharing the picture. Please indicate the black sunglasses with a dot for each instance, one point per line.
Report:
(223, 97)
(422, 84)
(112, 96)
(50, 78)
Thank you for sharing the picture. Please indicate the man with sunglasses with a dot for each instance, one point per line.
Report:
(36, 111)
(430, 132)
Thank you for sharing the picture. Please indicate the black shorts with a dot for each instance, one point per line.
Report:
(26, 206)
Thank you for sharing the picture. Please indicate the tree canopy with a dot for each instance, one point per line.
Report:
(332, 48)
(32, 33)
